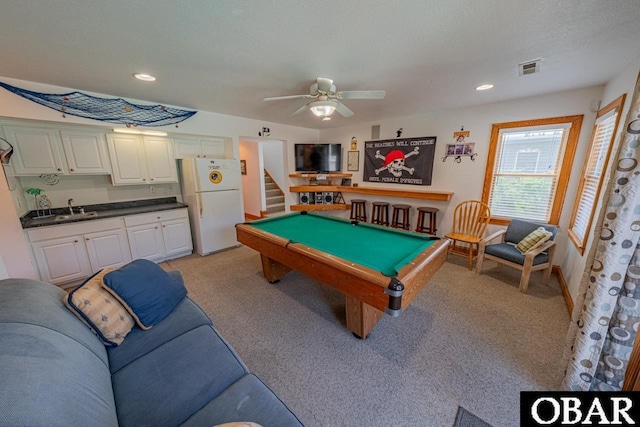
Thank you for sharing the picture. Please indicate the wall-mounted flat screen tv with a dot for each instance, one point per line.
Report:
(318, 157)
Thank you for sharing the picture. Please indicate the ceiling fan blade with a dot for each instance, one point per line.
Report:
(278, 98)
(301, 109)
(342, 109)
(325, 85)
(361, 94)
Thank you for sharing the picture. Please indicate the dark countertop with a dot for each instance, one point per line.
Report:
(106, 210)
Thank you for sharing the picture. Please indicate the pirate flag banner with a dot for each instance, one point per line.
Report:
(400, 161)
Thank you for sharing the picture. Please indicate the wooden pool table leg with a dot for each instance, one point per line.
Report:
(361, 317)
(272, 269)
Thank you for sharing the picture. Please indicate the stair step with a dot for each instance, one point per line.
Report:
(270, 186)
(273, 193)
(274, 200)
(275, 208)
(267, 179)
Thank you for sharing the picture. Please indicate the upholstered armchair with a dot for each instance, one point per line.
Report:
(539, 257)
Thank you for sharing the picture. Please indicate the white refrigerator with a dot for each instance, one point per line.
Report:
(212, 189)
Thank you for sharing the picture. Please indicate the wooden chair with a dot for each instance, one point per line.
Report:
(505, 252)
(470, 219)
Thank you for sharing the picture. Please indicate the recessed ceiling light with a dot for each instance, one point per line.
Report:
(144, 77)
(484, 87)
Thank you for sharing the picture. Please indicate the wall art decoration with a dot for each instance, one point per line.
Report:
(353, 161)
(461, 148)
(400, 161)
(243, 167)
(112, 110)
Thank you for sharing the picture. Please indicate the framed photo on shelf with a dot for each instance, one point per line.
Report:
(353, 160)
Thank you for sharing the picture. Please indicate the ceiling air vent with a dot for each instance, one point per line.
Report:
(529, 67)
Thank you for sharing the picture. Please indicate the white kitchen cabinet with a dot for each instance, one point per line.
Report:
(138, 160)
(203, 147)
(107, 249)
(159, 235)
(36, 150)
(62, 260)
(161, 163)
(71, 252)
(86, 152)
(146, 241)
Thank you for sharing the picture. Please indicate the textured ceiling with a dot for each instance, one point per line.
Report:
(225, 56)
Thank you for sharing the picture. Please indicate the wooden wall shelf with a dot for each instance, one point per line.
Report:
(443, 196)
(315, 175)
(334, 207)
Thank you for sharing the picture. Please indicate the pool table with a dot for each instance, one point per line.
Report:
(379, 269)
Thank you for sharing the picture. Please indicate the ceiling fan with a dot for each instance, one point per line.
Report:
(326, 99)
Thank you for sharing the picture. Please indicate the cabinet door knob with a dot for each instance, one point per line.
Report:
(60, 170)
(151, 179)
(75, 241)
(87, 239)
(156, 227)
(163, 226)
(70, 169)
(158, 217)
(144, 179)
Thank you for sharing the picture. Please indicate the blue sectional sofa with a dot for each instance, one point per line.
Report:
(54, 371)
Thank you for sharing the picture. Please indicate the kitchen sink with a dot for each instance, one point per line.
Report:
(69, 217)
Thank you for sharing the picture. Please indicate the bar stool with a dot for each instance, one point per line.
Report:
(358, 210)
(396, 222)
(421, 227)
(380, 213)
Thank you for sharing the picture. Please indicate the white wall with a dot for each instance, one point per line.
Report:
(202, 123)
(466, 179)
(252, 182)
(574, 263)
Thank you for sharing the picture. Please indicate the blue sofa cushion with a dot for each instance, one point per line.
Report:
(53, 369)
(186, 317)
(100, 310)
(166, 386)
(249, 400)
(510, 253)
(147, 291)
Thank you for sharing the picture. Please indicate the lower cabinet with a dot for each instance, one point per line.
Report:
(72, 252)
(159, 235)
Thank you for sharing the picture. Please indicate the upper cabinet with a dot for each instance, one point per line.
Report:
(40, 150)
(36, 150)
(86, 152)
(201, 147)
(141, 160)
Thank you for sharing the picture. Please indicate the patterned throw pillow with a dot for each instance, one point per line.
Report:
(103, 313)
(536, 238)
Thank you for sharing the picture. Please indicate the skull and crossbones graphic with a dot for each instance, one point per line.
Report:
(394, 162)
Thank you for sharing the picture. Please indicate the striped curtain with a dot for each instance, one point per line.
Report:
(607, 311)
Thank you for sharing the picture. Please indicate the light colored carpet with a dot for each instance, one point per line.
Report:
(467, 340)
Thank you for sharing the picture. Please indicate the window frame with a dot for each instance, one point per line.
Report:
(580, 243)
(575, 125)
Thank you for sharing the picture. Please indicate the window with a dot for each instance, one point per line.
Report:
(593, 170)
(528, 168)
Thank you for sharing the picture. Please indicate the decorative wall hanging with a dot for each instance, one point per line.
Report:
(265, 132)
(400, 161)
(354, 143)
(243, 167)
(461, 147)
(353, 161)
(112, 110)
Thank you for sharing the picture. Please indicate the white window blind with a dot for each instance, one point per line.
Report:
(593, 171)
(526, 171)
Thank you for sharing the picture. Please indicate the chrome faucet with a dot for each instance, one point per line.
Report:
(70, 206)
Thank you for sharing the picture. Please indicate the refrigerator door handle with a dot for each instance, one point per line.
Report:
(200, 204)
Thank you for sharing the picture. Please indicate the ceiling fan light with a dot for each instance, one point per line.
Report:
(322, 108)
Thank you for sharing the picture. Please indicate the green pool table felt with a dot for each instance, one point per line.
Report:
(382, 249)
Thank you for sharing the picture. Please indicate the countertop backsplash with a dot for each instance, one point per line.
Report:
(93, 190)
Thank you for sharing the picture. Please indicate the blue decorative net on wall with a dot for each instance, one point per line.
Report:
(113, 110)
